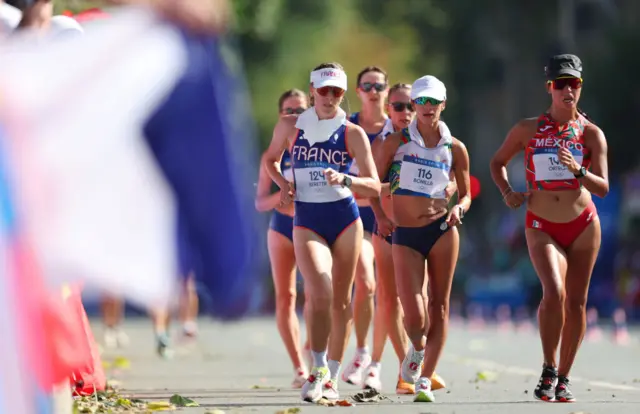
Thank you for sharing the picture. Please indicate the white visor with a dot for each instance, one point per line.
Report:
(429, 87)
(329, 77)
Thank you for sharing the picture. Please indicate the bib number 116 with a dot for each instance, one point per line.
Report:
(424, 173)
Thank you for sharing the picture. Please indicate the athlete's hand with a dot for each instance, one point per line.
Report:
(385, 190)
(515, 199)
(287, 194)
(566, 158)
(385, 226)
(333, 177)
(455, 216)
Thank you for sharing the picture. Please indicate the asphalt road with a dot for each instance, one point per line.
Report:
(242, 367)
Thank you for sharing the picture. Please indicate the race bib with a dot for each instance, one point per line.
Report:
(311, 185)
(425, 177)
(548, 167)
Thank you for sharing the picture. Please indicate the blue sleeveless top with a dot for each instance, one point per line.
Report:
(310, 161)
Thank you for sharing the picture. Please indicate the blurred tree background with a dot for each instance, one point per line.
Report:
(491, 55)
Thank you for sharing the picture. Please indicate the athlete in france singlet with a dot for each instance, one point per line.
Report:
(543, 169)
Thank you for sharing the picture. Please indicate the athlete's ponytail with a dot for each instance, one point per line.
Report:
(583, 113)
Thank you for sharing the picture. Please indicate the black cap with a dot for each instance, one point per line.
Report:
(559, 65)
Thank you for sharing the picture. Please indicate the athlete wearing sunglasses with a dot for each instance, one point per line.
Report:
(372, 91)
(565, 162)
(388, 313)
(420, 160)
(327, 233)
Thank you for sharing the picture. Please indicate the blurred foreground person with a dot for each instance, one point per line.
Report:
(182, 101)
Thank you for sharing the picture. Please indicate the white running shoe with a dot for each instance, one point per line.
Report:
(355, 370)
(411, 366)
(423, 391)
(299, 377)
(330, 390)
(372, 379)
(313, 388)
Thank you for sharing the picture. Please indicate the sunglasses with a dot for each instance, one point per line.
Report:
(324, 91)
(291, 111)
(560, 83)
(400, 106)
(423, 100)
(368, 86)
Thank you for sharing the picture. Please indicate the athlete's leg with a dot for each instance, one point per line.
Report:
(550, 263)
(314, 260)
(388, 304)
(283, 270)
(441, 263)
(363, 310)
(112, 315)
(581, 258)
(188, 310)
(409, 268)
(345, 250)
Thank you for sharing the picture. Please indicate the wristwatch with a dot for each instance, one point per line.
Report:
(347, 181)
(461, 212)
(581, 173)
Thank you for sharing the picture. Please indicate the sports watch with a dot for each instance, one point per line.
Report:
(581, 172)
(346, 182)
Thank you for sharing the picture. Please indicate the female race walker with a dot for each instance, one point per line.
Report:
(372, 90)
(388, 313)
(280, 245)
(327, 233)
(419, 161)
(566, 162)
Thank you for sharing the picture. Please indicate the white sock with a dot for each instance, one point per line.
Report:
(334, 369)
(375, 365)
(362, 351)
(319, 359)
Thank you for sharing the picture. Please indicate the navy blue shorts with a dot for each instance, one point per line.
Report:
(368, 218)
(388, 239)
(282, 224)
(421, 239)
(327, 220)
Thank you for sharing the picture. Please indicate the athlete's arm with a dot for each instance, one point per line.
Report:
(597, 179)
(383, 157)
(385, 188)
(513, 144)
(461, 171)
(265, 200)
(284, 129)
(367, 183)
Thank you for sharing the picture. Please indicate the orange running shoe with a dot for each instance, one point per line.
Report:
(437, 383)
(404, 388)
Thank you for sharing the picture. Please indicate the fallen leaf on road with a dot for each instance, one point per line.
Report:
(486, 376)
(214, 411)
(293, 410)
(368, 396)
(160, 406)
(339, 403)
(181, 401)
(121, 363)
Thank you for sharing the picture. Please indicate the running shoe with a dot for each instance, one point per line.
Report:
(355, 370)
(312, 389)
(437, 383)
(372, 379)
(563, 393)
(411, 366)
(404, 388)
(330, 390)
(299, 378)
(115, 338)
(546, 388)
(423, 391)
(163, 347)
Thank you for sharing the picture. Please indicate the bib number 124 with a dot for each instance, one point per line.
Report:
(316, 176)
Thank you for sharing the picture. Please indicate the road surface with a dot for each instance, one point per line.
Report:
(242, 368)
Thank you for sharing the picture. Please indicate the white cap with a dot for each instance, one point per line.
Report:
(329, 77)
(429, 87)
(65, 25)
